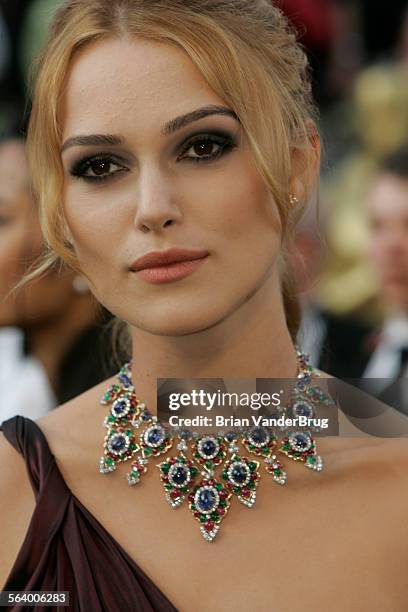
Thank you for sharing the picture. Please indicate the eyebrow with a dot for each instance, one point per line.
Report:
(168, 128)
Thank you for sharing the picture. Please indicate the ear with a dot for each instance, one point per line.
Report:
(305, 165)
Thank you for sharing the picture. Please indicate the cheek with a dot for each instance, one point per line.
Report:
(95, 226)
(242, 213)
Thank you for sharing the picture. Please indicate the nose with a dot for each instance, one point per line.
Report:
(155, 207)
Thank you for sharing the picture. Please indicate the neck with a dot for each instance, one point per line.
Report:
(253, 342)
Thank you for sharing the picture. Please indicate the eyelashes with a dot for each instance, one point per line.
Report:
(202, 148)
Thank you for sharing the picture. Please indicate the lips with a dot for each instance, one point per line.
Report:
(155, 259)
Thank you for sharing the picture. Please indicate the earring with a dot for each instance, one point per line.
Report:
(80, 285)
(293, 200)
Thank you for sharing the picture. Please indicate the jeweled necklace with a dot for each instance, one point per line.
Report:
(209, 499)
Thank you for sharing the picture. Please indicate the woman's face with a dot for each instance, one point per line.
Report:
(138, 181)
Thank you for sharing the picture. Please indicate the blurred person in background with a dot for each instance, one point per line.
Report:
(381, 120)
(334, 342)
(50, 325)
(387, 248)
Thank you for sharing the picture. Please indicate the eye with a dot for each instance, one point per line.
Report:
(206, 147)
(98, 168)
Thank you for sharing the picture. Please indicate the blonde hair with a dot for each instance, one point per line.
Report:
(246, 51)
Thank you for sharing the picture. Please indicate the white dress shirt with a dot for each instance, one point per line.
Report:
(385, 361)
(24, 386)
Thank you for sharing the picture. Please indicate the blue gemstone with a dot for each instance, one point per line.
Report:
(301, 439)
(259, 435)
(118, 443)
(155, 436)
(303, 410)
(119, 407)
(179, 476)
(206, 500)
(185, 434)
(239, 474)
(145, 415)
(230, 436)
(208, 447)
(125, 380)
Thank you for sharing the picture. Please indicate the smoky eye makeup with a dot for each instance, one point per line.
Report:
(99, 167)
(201, 146)
(206, 146)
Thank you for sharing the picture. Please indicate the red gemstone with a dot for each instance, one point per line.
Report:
(245, 492)
(221, 511)
(197, 514)
(229, 486)
(209, 525)
(175, 494)
(191, 498)
(211, 482)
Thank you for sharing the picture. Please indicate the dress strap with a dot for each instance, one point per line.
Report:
(28, 439)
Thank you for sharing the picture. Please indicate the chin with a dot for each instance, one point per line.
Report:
(180, 322)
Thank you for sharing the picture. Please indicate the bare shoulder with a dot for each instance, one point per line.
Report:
(68, 430)
(16, 505)
(71, 424)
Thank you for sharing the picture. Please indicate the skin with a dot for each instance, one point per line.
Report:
(48, 307)
(387, 212)
(233, 301)
(224, 320)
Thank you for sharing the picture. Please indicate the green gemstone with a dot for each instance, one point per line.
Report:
(193, 471)
(111, 419)
(251, 484)
(286, 446)
(209, 464)
(109, 461)
(252, 466)
(132, 446)
(203, 518)
(128, 432)
(214, 515)
(311, 459)
(225, 475)
(236, 459)
(168, 486)
(148, 451)
(223, 503)
(218, 486)
(184, 489)
(277, 471)
(193, 506)
(135, 473)
(265, 451)
(165, 468)
(236, 490)
(181, 460)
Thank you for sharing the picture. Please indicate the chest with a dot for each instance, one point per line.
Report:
(317, 544)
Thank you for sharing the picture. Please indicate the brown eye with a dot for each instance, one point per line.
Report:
(97, 168)
(203, 148)
(100, 167)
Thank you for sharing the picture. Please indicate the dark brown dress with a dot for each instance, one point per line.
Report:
(66, 548)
